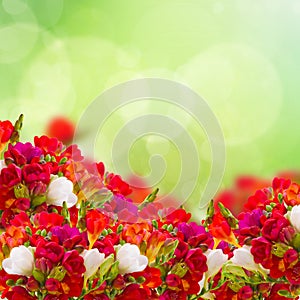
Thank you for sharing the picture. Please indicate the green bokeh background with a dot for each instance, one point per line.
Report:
(241, 56)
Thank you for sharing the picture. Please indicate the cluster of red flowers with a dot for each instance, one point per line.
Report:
(71, 231)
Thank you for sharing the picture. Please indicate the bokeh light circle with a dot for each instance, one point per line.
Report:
(243, 88)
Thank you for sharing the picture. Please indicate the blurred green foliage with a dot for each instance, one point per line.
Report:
(242, 56)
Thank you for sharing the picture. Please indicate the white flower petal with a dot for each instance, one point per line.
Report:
(92, 261)
(215, 260)
(295, 217)
(242, 257)
(130, 259)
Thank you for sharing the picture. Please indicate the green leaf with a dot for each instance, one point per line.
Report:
(236, 285)
(65, 212)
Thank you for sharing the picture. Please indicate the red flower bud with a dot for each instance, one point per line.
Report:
(245, 293)
(22, 203)
(173, 280)
(52, 285)
(44, 265)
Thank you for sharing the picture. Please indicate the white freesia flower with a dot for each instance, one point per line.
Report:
(61, 189)
(130, 259)
(295, 217)
(92, 261)
(242, 257)
(215, 260)
(20, 261)
(2, 164)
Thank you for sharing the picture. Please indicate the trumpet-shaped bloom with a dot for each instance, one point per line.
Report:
(92, 261)
(20, 262)
(130, 259)
(95, 223)
(61, 190)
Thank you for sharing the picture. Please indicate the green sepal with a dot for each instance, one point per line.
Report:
(105, 266)
(21, 191)
(58, 273)
(17, 129)
(38, 276)
(180, 269)
(231, 269)
(227, 214)
(114, 271)
(38, 200)
(296, 241)
(286, 294)
(279, 249)
(149, 199)
(209, 213)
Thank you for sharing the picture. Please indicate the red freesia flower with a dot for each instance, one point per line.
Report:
(36, 172)
(221, 230)
(48, 145)
(73, 263)
(95, 223)
(47, 220)
(10, 176)
(177, 216)
(261, 251)
(133, 291)
(50, 250)
(196, 262)
(6, 130)
(117, 185)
